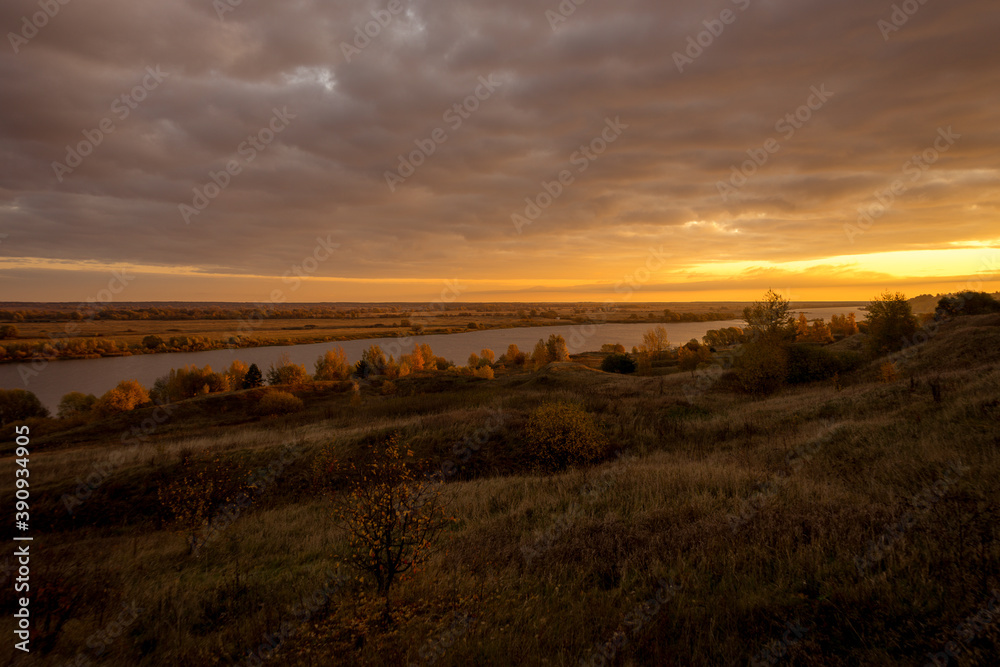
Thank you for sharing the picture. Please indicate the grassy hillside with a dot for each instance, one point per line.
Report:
(829, 524)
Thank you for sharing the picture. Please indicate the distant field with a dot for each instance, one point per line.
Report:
(295, 331)
(121, 330)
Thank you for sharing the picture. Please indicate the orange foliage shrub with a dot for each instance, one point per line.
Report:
(277, 403)
(128, 395)
(563, 434)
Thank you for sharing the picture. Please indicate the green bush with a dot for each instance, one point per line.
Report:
(278, 403)
(811, 363)
(563, 434)
(253, 378)
(762, 368)
(850, 361)
(967, 303)
(891, 324)
(288, 373)
(152, 342)
(76, 403)
(618, 363)
(18, 405)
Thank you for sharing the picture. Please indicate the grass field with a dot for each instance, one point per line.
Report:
(89, 336)
(294, 331)
(847, 524)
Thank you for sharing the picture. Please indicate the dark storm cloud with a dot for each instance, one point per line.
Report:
(324, 173)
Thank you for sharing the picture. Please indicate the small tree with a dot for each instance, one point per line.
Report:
(188, 382)
(127, 396)
(285, 372)
(18, 405)
(819, 332)
(235, 375)
(801, 328)
(540, 356)
(392, 515)
(843, 325)
(76, 403)
(851, 327)
(514, 356)
(333, 365)
(373, 362)
(618, 363)
(427, 353)
(693, 355)
(890, 323)
(254, 378)
(768, 319)
(557, 349)
(414, 361)
(655, 342)
(152, 342)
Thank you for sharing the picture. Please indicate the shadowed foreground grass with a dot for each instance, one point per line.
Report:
(820, 526)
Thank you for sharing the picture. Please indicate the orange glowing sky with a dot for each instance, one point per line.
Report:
(876, 151)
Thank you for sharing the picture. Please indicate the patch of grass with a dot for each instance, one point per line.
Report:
(739, 501)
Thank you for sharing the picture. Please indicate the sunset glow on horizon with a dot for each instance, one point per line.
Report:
(524, 155)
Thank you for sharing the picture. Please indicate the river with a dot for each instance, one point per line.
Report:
(96, 376)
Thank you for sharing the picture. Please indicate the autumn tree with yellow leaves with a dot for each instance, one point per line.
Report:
(127, 396)
(391, 513)
(333, 365)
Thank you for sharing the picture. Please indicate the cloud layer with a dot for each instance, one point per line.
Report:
(495, 101)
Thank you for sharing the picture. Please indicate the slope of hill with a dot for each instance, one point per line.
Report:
(832, 525)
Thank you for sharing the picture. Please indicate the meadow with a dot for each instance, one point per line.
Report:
(54, 331)
(850, 521)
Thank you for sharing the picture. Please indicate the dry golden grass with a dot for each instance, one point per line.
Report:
(296, 331)
(758, 509)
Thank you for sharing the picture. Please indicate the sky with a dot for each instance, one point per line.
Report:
(408, 150)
